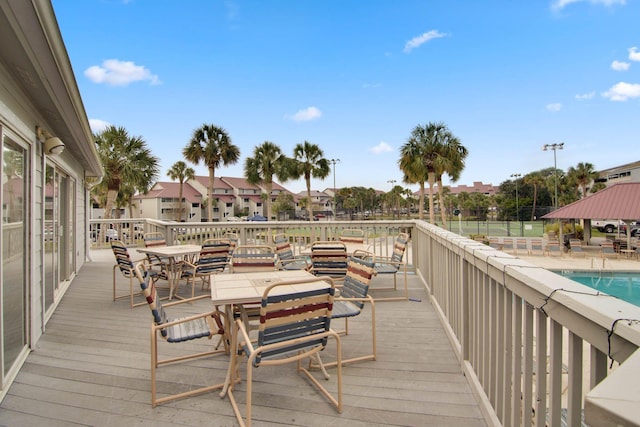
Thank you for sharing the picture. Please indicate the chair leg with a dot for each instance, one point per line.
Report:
(154, 365)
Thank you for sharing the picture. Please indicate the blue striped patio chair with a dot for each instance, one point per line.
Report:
(576, 247)
(329, 259)
(293, 327)
(352, 235)
(253, 258)
(155, 239)
(521, 246)
(126, 265)
(286, 259)
(213, 259)
(176, 330)
(393, 265)
(354, 294)
(553, 248)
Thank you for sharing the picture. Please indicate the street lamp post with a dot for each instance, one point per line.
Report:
(516, 176)
(554, 147)
(333, 162)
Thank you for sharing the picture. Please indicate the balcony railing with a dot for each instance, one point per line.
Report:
(532, 343)
(379, 235)
(537, 348)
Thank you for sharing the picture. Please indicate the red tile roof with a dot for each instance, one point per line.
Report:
(217, 182)
(620, 201)
(171, 190)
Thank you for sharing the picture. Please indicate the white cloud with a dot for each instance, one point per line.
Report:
(634, 55)
(421, 39)
(98, 125)
(120, 73)
(623, 91)
(620, 66)
(556, 106)
(561, 4)
(583, 96)
(383, 147)
(305, 115)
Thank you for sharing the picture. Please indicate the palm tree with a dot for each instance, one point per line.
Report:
(182, 173)
(412, 165)
(128, 165)
(582, 175)
(211, 145)
(308, 161)
(431, 151)
(536, 180)
(266, 162)
(452, 163)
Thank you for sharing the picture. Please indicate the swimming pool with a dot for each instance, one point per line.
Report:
(624, 285)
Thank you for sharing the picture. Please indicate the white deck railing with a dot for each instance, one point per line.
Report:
(537, 348)
(532, 343)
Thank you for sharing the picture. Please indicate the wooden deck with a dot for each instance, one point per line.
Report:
(91, 367)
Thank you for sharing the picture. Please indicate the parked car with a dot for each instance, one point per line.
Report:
(635, 230)
(257, 218)
(606, 225)
(233, 219)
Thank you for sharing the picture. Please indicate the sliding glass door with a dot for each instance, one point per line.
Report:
(15, 251)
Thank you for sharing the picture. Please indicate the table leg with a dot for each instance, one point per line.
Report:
(233, 359)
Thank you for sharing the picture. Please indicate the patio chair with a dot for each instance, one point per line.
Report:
(253, 258)
(286, 259)
(233, 240)
(521, 246)
(607, 250)
(536, 247)
(393, 265)
(126, 264)
(155, 239)
(329, 258)
(509, 245)
(213, 259)
(293, 327)
(354, 293)
(179, 330)
(553, 248)
(495, 243)
(576, 247)
(352, 235)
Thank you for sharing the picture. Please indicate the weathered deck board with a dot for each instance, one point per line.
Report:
(92, 368)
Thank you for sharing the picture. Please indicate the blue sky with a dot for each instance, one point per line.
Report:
(355, 77)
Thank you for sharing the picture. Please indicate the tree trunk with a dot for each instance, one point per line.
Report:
(443, 210)
(309, 206)
(180, 213)
(210, 191)
(432, 214)
(111, 201)
(421, 207)
(269, 186)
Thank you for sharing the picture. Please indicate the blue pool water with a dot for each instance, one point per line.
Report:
(625, 286)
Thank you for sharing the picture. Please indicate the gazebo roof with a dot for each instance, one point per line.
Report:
(620, 201)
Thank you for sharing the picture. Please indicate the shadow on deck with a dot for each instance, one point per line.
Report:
(91, 367)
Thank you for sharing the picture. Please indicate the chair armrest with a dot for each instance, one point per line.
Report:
(368, 299)
(185, 319)
(244, 335)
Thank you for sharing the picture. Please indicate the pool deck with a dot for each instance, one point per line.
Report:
(591, 260)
